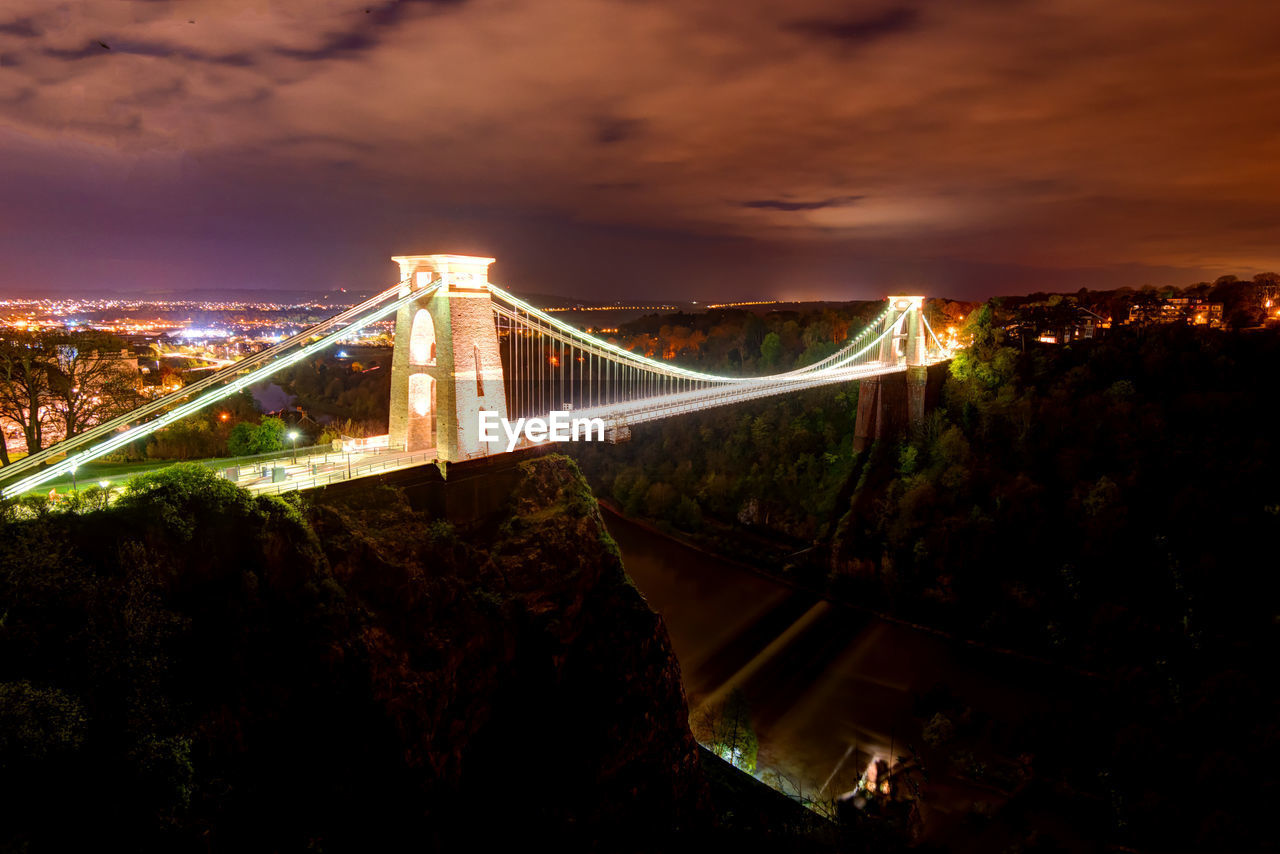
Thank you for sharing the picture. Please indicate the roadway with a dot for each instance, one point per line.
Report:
(333, 467)
(312, 467)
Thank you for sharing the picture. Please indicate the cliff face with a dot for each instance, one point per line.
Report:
(196, 668)
(521, 668)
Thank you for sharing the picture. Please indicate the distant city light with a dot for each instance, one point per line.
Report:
(611, 308)
(736, 304)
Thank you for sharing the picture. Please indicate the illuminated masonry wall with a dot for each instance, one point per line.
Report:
(908, 338)
(446, 365)
(881, 400)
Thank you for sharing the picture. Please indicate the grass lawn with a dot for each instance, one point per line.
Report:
(91, 473)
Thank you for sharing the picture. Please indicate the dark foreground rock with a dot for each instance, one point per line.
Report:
(199, 669)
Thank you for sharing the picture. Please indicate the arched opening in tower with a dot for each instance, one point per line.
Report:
(422, 339)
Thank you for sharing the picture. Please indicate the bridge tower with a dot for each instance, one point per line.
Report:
(881, 402)
(446, 365)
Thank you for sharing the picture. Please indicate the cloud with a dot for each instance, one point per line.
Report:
(779, 205)
(613, 129)
(852, 32)
(365, 31)
(21, 27)
(94, 48)
(1039, 135)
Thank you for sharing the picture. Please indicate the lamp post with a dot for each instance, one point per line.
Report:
(293, 438)
(74, 466)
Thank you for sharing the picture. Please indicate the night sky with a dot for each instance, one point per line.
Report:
(641, 148)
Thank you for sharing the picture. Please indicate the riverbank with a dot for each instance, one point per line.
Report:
(831, 690)
(612, 510)
(198, 668)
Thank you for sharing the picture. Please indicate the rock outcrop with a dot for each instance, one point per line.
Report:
(196, 668)
(520, 666)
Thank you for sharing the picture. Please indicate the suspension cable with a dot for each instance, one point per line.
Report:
(121, 439)
(613, 350)
(221, 375)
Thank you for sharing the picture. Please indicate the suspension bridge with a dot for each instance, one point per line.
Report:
(465, 346)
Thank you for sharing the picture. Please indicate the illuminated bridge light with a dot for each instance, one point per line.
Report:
(507, 356)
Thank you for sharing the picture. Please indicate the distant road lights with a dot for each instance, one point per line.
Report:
(293, 438)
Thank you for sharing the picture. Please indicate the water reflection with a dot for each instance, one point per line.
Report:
(830, 689)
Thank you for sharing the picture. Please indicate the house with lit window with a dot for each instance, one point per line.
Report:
(1189, 310)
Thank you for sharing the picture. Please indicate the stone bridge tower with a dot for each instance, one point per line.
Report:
(446, 365)
(882, 401)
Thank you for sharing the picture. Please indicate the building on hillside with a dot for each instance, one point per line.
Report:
(1268, 296)
(1188, 310)
(1058, 324)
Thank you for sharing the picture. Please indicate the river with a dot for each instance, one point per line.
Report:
(829, 687)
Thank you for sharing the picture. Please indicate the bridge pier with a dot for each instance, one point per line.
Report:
(888, 403)
(917, 383)
(869, 425)
(880, 409)
(896, 402)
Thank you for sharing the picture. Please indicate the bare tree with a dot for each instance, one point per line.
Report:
(92, 380)
(63, 382)
(25, 360)
(727, 731)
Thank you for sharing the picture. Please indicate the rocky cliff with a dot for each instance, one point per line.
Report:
(519, 665)
(196, 668)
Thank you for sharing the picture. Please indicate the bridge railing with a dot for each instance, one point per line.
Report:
(341, 473)
(268, 456)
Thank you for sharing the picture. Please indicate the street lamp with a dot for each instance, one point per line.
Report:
(74, 466)
(293, 437)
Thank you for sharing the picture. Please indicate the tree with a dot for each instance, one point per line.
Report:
(248, 439)
(25, 360)
(67, 380)
(659, 500)
(192, 438)
(346, 429)
(37, 723)
(687, 514)
(986, 365)
(270, 435)
(732, 737)
(243, 440)
(91, 380)
(770, 350)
